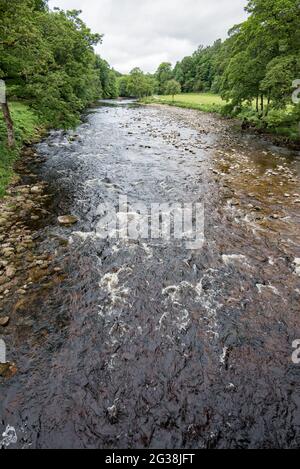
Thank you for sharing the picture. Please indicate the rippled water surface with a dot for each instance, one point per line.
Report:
(145, 343)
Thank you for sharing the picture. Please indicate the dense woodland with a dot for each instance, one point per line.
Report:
(47, 61)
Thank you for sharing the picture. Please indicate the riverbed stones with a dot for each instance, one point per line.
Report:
(7, 252)
(22, 205)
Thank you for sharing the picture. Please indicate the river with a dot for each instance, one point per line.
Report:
(145, 343)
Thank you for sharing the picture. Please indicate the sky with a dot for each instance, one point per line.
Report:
(144, 33)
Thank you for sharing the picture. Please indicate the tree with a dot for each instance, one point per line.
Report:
(138, 84)
(19, 46)
(163, 75)
(184, 73)
(261, 50)
(172, 87)
(47, 58)
(108, 79)
(122, 83)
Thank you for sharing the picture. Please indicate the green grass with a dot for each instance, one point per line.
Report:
(26, 125)
(207, 102)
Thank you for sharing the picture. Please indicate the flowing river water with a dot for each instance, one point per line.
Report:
(146, 343)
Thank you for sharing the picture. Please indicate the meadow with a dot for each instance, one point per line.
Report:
(207, 102)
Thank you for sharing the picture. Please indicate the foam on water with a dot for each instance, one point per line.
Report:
(9, 437)
(117, 293)
(229, 259)
(261, 288)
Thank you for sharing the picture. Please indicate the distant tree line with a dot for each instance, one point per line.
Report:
(137, 84)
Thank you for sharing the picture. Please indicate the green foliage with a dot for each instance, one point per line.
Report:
(122, 82)
(163, 74)
(136, 84)
(172, 87)
(280, 73)
(264, 54)
(47, 58)
(252, 70)
(198, 72)
(108, 79)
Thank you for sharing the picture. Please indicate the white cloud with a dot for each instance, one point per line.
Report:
(143, 33)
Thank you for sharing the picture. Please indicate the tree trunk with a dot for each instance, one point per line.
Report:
(268, 105)
(9, 125)
(257, 108)
(262, 104)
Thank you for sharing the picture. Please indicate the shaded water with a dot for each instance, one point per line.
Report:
(145, 343)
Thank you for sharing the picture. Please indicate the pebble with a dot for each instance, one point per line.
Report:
(36, 190)
(4, 321)
(10, 271)
(297, 265)
(67, 220)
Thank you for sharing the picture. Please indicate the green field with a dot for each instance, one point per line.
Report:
(207, 102)
(26, 124)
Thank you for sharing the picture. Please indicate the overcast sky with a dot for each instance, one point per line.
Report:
(144, 33)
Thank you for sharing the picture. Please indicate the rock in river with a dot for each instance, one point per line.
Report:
(67, 220)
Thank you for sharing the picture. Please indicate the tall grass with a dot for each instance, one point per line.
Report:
(26, 125)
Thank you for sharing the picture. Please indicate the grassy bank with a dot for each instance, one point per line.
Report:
(206, 102)
(282, 123)
(27, 128)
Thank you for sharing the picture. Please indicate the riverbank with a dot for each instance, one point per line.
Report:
(28, 129)
(278, 126)
(26, 270)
